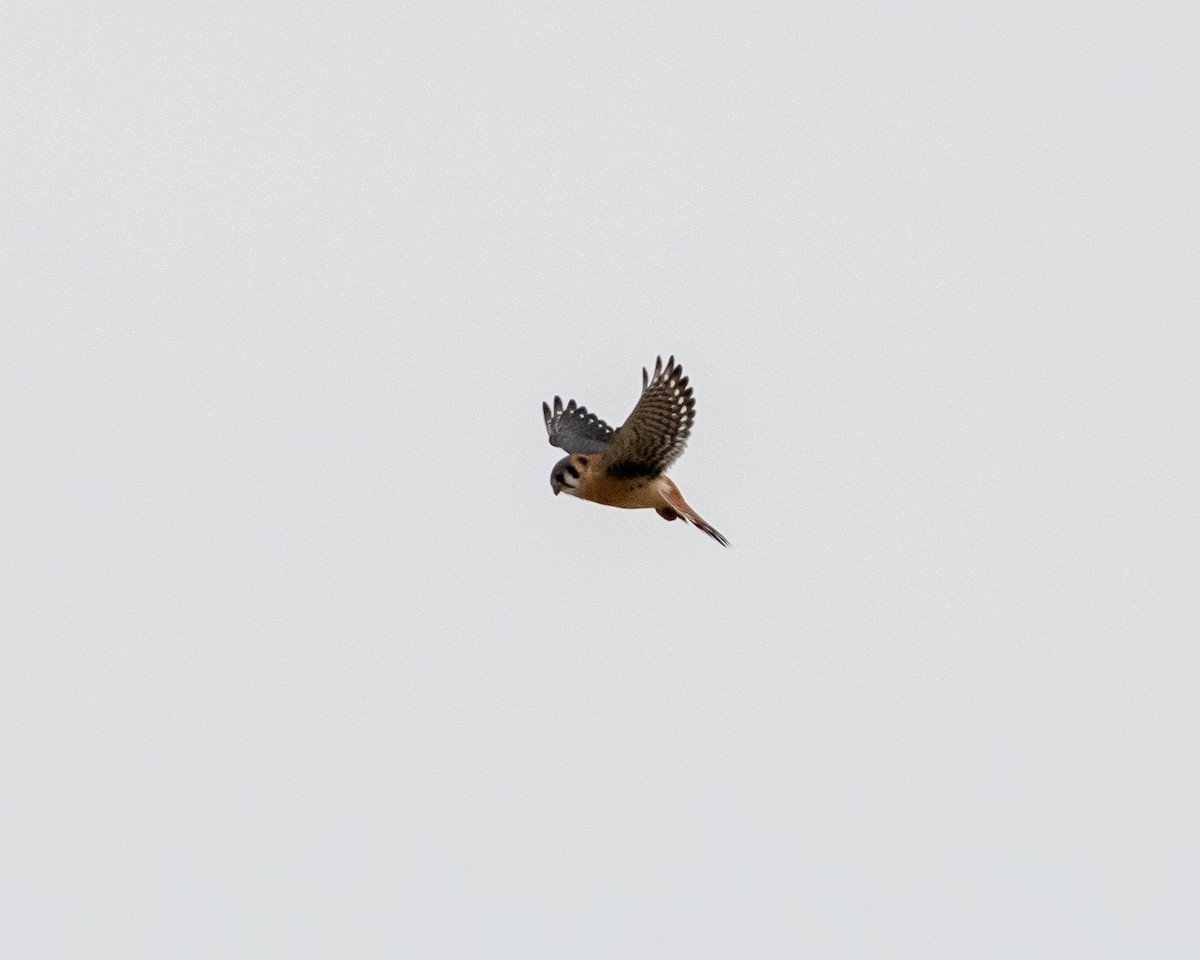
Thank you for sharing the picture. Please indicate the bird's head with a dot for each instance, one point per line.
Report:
(564, 478)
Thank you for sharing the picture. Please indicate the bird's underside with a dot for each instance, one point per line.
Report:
(627, 467)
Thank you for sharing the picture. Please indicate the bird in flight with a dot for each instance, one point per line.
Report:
(627, 467)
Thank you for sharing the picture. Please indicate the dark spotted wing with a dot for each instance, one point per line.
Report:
(656, 432)
(574, 429)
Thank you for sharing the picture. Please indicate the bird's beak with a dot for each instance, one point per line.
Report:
(557, 491)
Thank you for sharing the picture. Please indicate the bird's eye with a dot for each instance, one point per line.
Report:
(570, 468)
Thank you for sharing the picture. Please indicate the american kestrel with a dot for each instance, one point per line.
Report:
(626, 467)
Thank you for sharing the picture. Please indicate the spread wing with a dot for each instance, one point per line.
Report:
(656, 432)
(574, 429)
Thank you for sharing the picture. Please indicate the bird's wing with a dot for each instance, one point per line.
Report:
(574, 429)
(654, 435)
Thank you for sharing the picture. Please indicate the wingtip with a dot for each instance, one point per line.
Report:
(647, 377)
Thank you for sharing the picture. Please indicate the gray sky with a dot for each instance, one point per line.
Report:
(302, 658)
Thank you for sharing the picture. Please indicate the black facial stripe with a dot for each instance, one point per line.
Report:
(570, 468)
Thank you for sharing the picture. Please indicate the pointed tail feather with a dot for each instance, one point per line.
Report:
(678, 507)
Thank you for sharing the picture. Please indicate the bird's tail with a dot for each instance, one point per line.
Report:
(676, 507)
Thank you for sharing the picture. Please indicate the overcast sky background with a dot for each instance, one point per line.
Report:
(300, 655)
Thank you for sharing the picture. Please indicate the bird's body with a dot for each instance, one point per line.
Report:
(627, 467)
